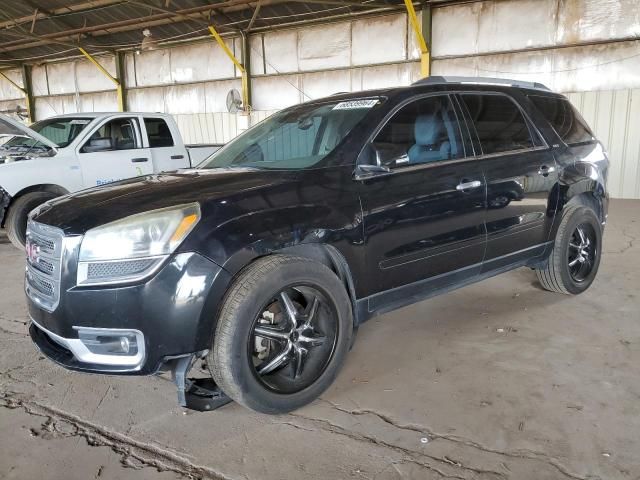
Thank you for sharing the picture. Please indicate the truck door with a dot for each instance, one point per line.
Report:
(167, 149)
(114, 152)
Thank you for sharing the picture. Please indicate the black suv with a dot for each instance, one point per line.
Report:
(265, 259)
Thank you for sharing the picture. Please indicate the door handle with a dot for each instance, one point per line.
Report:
(177, 157)
(139, 159)
(468, 185)
(545, 170)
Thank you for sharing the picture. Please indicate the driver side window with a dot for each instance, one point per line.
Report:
(118, 134)
(423, 131)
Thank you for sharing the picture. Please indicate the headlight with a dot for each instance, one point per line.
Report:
(132, 248)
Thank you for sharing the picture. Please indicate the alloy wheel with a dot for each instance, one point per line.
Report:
(582, 252)
(293, 339)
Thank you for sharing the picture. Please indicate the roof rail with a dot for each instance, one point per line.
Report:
(481, 81)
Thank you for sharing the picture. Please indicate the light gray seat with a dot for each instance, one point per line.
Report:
(428, 131)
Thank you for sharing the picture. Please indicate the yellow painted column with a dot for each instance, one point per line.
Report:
(425, 56)
(236, 62)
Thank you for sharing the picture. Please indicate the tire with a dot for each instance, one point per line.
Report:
(249, 303)
(557, 274)
(16, 221)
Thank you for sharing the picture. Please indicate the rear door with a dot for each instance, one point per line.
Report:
(424, 220)
(166, 146)
(521, 176)
(114, 151)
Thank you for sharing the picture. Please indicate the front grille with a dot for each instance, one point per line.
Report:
(44, 256)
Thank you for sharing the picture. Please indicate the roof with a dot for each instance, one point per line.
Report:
(437, 83)
(36, 30)
(106, 114)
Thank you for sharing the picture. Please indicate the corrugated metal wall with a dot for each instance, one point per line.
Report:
(588, 49)
(615, 118)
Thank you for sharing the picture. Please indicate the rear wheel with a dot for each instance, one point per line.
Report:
(16, 222)
(574, 261)
(283, 333)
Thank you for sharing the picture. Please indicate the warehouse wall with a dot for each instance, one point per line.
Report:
(574, 46)
(588, 49)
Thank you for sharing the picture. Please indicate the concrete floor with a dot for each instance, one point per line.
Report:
(495, 381)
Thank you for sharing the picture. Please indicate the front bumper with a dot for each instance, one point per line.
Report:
(174, 311)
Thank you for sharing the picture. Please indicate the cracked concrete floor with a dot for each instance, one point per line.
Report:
(499, 380)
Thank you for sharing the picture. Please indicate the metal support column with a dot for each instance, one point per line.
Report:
(118, 83)
(244, 69)
(28, 91)
(26, 81)
(123, 101)
(422, 33)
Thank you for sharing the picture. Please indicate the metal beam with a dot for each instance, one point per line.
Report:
(78, 7)
(123, 101)
(425, 60)
(232, 57)
(347, 3)
(28, 92)
(246, 77)
(256, 12)
(119, 89)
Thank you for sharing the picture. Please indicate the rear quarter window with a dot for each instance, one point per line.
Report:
(158, 132)
(564, 119)
(500, 124)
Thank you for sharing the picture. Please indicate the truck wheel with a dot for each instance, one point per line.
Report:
(284, 330)
(575, 258)
(16, 222)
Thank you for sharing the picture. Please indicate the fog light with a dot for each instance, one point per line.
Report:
(109, 344)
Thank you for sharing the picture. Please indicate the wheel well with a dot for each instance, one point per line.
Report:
(590, 200)
(51, 188)
(332, 258)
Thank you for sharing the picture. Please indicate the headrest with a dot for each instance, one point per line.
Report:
(427, 129)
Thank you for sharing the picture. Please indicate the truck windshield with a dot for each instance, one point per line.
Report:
(61, 131)
(294, 139)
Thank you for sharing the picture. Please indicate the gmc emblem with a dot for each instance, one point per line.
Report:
(33, 251)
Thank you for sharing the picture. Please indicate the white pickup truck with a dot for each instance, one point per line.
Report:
(67, 153)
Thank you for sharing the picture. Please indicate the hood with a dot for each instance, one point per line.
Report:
(78, 212)
(12, 128)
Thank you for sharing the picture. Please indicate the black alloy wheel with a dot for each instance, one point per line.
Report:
(573, 262)
(293, 339)
(283, 332)
(582, 251)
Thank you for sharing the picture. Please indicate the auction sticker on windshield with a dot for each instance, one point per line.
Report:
(354, 104)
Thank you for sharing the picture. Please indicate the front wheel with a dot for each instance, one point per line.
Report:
(574, 261)
(283, 333)
(16, 222)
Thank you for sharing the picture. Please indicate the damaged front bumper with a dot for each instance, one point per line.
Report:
(5, 199)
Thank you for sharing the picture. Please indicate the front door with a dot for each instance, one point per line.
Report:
(114, 152)
(521, 176)
(424, 220)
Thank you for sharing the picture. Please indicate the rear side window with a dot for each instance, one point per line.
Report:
(499, 122)
(564, 119)
(158, 132)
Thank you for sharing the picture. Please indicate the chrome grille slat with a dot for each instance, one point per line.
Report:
(44, 258)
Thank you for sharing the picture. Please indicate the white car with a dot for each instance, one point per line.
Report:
(67, 153)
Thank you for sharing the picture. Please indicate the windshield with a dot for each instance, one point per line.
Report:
(61, 131)
(294, 139)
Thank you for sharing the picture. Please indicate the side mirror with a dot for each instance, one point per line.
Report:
(98, 145)
(389, 155)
